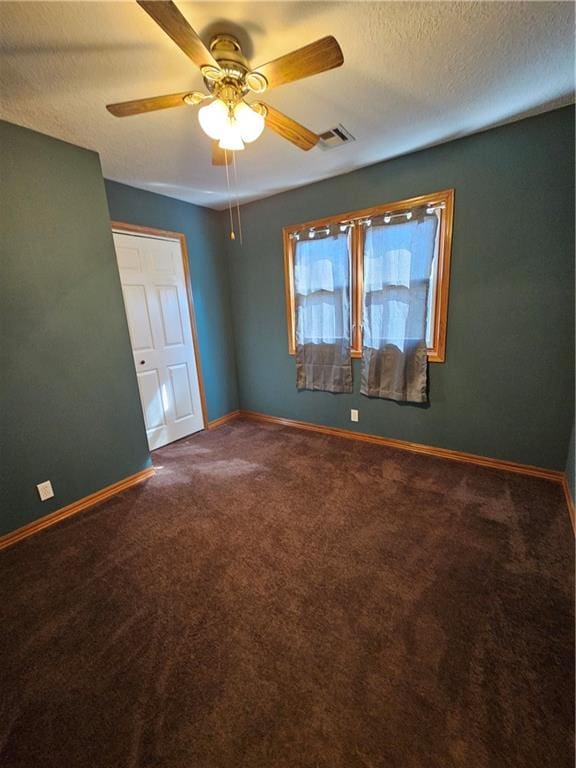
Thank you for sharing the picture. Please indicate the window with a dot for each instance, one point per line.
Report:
(370, 245)
(322, 288)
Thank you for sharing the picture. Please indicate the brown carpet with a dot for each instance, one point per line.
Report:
(274, 598)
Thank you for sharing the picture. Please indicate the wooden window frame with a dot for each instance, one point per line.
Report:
(445, 198)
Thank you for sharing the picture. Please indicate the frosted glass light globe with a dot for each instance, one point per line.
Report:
(250, 123)
(214, 119)
(230, 138)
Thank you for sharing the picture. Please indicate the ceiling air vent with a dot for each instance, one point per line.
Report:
(335, 137)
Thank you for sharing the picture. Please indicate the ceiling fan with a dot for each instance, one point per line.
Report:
(229, 119)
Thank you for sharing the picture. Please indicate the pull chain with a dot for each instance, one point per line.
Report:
(232, 234)
(236, 196)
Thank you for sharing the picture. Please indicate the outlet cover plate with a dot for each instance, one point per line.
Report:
(45, 490)
(353, 414)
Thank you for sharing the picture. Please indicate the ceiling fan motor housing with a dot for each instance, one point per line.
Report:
(228, 53)
(234, 69)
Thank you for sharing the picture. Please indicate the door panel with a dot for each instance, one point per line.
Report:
(163, 261)
(171, 317)
(151, 397)
(138, 316)
(181, 390)
(129, 258)
(156, 302)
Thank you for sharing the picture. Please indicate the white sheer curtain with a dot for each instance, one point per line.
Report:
(322, 303)
(322, 288)
(397, 269)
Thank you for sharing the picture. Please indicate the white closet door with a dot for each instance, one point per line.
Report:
(154, 288)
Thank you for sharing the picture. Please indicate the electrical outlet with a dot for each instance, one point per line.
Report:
(353, 414)
(45, 490)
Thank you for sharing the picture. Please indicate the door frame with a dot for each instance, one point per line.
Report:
(123, 227)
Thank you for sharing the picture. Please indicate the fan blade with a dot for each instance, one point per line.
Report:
(219, 156)
(136, 107)
(289, 129)
(317, 57)
(169, 18)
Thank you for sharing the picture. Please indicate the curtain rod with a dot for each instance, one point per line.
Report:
(346, 224)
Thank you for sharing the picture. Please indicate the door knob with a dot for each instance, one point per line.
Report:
(142, 362)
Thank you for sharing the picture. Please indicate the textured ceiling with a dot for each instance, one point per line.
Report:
(414, 74)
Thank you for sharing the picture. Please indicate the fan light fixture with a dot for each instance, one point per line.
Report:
(231, 125)
(229, 78)
(228, 120)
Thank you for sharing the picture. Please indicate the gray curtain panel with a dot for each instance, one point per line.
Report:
(322, 300)
(397, 267)
(324, 366)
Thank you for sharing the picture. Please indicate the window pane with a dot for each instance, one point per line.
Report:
(322, 290)
(398, 260)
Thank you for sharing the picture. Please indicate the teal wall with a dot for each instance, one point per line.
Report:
(70, 406)
(208, 274)
(506, 389)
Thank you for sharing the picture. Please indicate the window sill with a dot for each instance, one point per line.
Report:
(433, 355)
